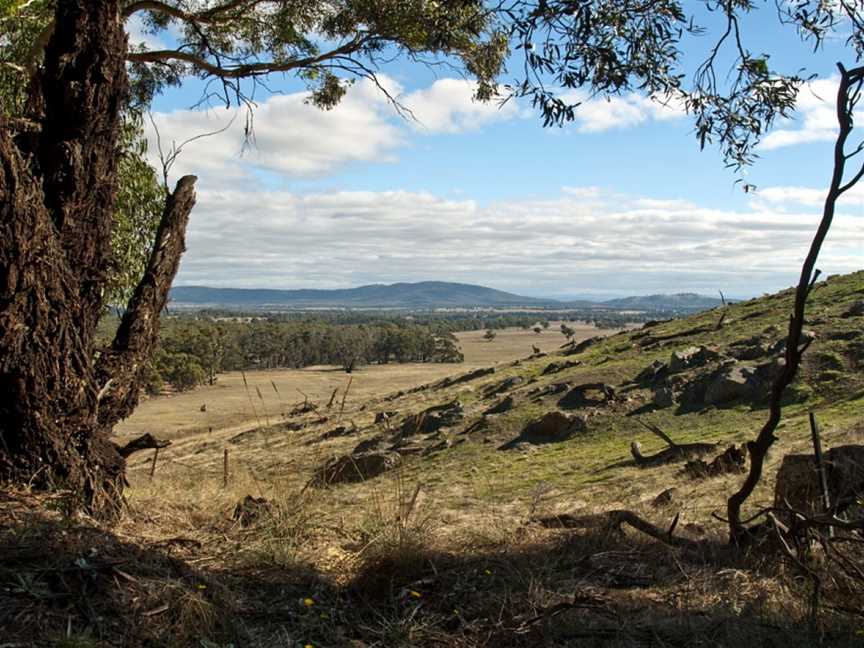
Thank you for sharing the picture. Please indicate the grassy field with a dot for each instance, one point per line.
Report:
(445, 549)
(233, 404)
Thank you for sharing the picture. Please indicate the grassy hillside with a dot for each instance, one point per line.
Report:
(439, 548)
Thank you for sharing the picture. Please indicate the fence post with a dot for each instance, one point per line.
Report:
(153, 464)
(820, 467)
(225, 469)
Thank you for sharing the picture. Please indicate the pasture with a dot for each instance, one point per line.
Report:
(267, 394)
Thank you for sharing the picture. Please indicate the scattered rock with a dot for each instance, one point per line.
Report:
(373, 443)
(653, 373)
(550, 428)
(584, 344)
(665, 396)
(340, 431)
(555, 367)
(856, 310)
(549, 390)
(733, 460)
(250, 509)
(504, 405)
(578, 395)
(505, 385)
(665, 498)
(433, 419)
(355, 468)
(458, 380)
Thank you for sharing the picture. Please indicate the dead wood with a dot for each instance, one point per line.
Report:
(612, 521)
(144, 442)
(675, 452)
(670, 455)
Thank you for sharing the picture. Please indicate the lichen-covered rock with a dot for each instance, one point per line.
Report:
(682, 359)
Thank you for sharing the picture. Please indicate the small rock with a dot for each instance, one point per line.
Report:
(665, 498)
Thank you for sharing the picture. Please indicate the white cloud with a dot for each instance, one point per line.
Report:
(448, 106)
(291, 138)
(807, 196)
(559, 245)
(816, 118)
(595, 115)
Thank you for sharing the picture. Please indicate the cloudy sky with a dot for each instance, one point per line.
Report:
(619, 202)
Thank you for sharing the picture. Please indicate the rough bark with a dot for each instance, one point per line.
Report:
(58, 184)
(118, 368)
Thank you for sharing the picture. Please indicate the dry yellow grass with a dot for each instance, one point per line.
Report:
(228, 402)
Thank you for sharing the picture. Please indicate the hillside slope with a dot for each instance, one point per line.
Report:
(435, 546)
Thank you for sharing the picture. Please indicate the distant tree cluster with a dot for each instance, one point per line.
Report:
(194, 351)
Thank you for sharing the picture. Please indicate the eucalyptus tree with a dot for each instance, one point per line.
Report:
(60, 151)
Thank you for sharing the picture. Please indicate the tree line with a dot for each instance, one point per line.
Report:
(194, 351)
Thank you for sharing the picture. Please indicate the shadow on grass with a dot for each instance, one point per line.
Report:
(71, 583)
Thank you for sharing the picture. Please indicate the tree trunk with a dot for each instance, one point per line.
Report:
(58, 184)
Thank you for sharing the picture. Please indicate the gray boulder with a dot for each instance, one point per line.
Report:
(731, 383)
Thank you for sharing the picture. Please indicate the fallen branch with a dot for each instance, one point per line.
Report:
(614, 520)
(144, 442)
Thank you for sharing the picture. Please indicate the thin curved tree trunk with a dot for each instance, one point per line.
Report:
(848, 94)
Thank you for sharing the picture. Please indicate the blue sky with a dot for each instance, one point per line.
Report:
(619, 202)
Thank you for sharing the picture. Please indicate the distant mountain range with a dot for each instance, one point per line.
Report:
(425, 294)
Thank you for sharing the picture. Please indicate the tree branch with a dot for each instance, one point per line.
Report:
(765, 439)
(118, 367)
(245, 70)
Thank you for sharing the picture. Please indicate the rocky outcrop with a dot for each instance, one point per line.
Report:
(552, 427)
(504, 405)
(731, 383)
(587, 394)
(433, 419)
(855, 310)
(505, 385)
(692, 357)
(555, 367)
(354, 468)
